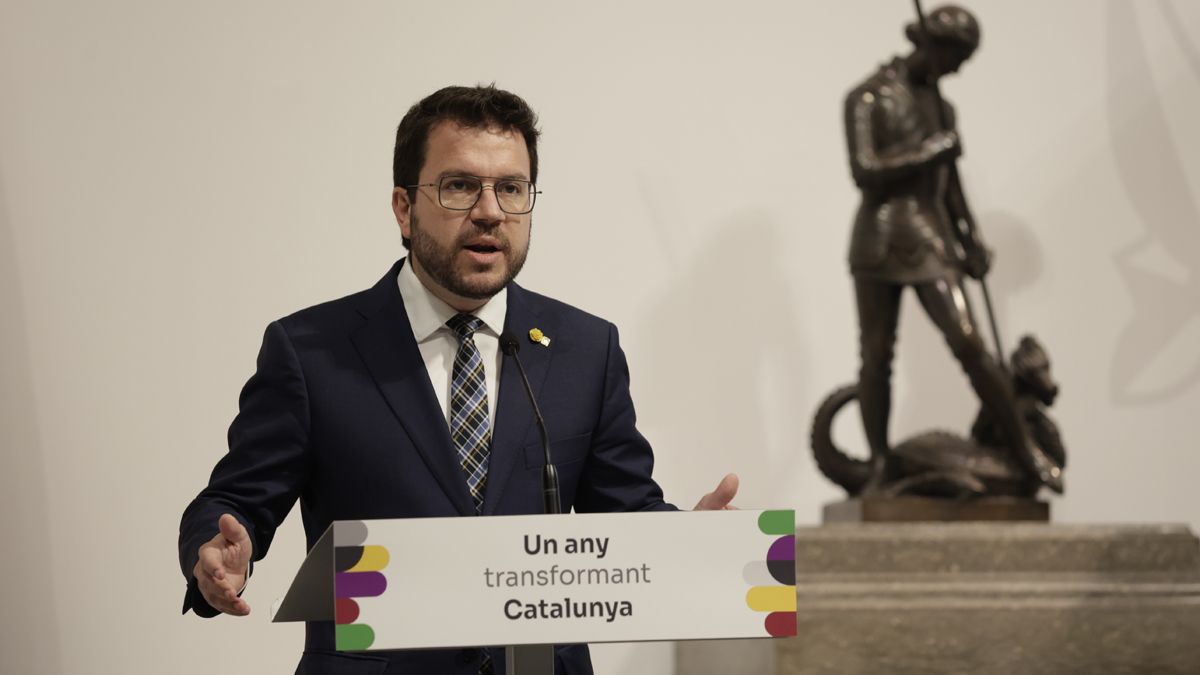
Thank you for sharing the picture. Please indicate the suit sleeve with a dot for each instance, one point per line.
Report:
(617, 476)
(261, 476)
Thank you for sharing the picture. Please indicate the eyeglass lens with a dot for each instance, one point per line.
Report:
(462, 192)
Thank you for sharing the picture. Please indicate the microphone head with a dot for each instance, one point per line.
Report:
(509, 344)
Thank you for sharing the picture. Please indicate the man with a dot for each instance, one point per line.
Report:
(393, 403)
(913, 228)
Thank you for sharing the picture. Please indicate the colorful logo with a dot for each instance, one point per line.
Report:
(358, 574)
(777, 599)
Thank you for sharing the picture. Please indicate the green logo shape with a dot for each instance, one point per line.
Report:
(777, 522)
(354, 637)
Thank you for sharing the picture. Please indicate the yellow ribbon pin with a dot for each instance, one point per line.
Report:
(536, 335)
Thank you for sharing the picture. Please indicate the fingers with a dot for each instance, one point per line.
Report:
(211, 563)
(234, 543)
(221, 566)
(721, 497)
(219, 593)
(232, 530)
(222, 599)
(726, 490)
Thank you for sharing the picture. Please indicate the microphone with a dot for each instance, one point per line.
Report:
(510, 346)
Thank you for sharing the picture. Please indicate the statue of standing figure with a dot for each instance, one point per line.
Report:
(914, 229)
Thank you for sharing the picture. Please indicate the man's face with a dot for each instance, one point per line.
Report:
(466, 257)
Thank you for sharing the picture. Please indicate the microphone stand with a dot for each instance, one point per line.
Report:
(533, 659)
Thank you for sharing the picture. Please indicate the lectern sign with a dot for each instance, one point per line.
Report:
(615, 577)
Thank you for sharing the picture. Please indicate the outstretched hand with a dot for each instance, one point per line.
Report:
(223, 565)
(720, 498)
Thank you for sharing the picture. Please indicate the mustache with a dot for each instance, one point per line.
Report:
(498, 237)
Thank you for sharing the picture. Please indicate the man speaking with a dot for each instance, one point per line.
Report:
(394, 402)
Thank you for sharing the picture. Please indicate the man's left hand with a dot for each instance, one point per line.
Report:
(720, 498)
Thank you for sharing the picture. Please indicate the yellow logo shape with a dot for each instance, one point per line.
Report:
(772, 598)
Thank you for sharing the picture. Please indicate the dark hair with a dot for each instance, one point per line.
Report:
(477, 107)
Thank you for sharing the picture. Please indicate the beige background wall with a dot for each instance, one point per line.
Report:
(175, 175)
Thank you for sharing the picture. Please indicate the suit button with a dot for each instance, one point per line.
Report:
(468, 656)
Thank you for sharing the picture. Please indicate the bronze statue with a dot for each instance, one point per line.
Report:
(914, 229)
(944, 464)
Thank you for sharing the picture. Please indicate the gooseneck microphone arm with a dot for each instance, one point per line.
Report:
(510, 346)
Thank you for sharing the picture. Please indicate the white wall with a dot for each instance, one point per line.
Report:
(175, 175)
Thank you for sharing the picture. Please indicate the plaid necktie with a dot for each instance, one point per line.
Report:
(470, 426)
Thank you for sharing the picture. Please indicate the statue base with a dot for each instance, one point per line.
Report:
(909, 509)
(983, 598)
(994, 598)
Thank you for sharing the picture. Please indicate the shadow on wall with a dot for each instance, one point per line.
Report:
(29, 635)
(1017, 267)
(1161, 269)
(732, 307)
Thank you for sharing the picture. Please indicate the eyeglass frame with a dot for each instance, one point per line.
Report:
(533, 192)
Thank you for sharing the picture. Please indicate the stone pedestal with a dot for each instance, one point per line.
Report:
(983, 599)
(925, 509)
(987, 598)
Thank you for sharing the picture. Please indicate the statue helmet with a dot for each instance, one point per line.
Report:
(948, 24)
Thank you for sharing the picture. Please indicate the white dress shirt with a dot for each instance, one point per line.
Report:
(438, 344)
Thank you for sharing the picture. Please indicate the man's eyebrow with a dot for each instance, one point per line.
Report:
(508, 176)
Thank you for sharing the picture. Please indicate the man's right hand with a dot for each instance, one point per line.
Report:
(221, 570)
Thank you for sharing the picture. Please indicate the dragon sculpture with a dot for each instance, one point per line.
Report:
(944, 464)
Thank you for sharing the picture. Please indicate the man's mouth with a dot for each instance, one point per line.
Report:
(483, 245)
(482, 248)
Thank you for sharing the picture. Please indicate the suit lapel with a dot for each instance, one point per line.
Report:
(385, 343)
(515, 427)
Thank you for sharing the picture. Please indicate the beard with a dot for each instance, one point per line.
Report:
(440, 263)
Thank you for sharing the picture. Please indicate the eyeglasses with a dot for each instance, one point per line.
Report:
(461, 193)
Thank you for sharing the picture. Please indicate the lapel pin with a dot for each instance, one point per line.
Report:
(536, 335)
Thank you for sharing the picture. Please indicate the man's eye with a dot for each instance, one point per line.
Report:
(510, 188)
(458, 185)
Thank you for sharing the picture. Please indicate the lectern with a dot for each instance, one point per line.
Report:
(530, 581)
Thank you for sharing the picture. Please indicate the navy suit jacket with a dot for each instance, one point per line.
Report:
(342, 416)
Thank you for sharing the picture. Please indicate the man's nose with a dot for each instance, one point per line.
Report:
(487, 207)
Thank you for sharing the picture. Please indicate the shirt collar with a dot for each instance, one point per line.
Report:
(428, 314)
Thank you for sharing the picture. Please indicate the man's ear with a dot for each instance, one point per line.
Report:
(402, 207)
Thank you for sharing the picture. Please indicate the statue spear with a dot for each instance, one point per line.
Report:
(944, 123)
